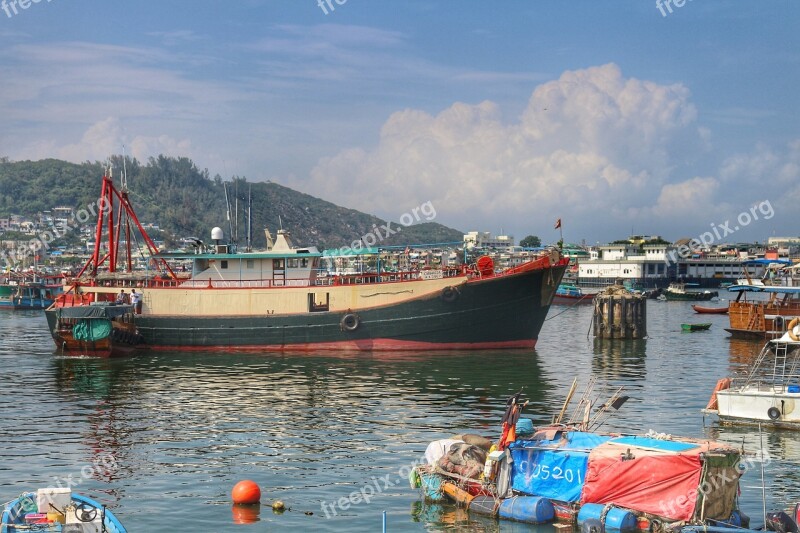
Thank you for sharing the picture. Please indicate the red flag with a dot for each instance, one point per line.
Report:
(558, 224)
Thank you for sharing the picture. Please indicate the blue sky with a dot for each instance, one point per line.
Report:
(505, 115)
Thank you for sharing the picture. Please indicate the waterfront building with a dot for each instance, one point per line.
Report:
(484, 239)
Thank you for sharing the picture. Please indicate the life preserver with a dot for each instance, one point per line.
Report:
(773, 413)
(450, 294)
(350, 322)
(791, 327)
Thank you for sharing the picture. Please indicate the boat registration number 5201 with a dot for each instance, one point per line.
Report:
(544, 472)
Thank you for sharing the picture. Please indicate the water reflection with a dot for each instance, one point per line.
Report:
(246, 514)
(619, 359)
(742, 353)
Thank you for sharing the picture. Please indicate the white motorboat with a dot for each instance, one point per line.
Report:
(770, 393)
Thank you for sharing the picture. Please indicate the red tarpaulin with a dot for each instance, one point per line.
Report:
(657, 483)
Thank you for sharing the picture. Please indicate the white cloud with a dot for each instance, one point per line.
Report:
(593, 146)
(108, 137)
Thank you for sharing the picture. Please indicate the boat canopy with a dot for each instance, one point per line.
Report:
(650, 473)
(782, 289)
(95, 311)
(344, 252)
(294, 252)
(766, 262)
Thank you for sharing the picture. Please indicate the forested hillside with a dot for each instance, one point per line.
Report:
(185, 201)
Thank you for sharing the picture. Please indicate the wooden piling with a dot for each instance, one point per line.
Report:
(620, 314)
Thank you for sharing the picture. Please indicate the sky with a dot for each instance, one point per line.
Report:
(675, 118)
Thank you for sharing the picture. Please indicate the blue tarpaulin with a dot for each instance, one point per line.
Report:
(655, 444)
(554, 469)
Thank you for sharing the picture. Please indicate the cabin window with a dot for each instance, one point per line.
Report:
(292, 263)
(277, 264)
(223, 264)
(251, 264)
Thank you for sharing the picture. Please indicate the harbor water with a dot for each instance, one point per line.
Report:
(163, 437)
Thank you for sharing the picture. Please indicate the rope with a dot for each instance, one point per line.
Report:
(564, 311)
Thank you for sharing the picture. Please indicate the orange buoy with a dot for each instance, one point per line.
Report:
(246, 492)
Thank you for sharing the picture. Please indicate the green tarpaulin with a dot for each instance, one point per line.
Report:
(91, 330)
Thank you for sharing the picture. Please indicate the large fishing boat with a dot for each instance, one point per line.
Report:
(297, 298)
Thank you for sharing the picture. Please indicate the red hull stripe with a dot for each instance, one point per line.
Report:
(386, 345)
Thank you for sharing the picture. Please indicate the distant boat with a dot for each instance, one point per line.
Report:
(710, 310)
(571, 294)
(761, 317)
(35, 295)
(771, 389)
(57, 509)
(688, 292)
(695, 327)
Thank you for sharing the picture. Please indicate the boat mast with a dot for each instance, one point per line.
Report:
(249, 218)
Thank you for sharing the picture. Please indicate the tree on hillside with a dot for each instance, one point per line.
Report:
(531, 241)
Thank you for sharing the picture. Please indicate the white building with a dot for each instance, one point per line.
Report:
(484, 239)
(628, 262)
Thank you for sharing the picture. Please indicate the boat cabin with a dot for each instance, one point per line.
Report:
(281, 265)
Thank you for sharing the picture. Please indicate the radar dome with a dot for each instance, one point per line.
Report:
(216, 234)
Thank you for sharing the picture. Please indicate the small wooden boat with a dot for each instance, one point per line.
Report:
(99, 330)
(573, 474)
(695, 327)
(710, 310)
(58, 509)
(567, 294)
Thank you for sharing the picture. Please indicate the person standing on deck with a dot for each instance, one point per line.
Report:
(136, 300)
(122, 298)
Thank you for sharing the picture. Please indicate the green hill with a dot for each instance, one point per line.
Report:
(185, 201)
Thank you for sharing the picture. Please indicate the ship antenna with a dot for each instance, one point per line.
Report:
(228, 209)
(124, 171)
(249, 218)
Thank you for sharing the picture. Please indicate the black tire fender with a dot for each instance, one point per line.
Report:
(450, 294)
(350, 322)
